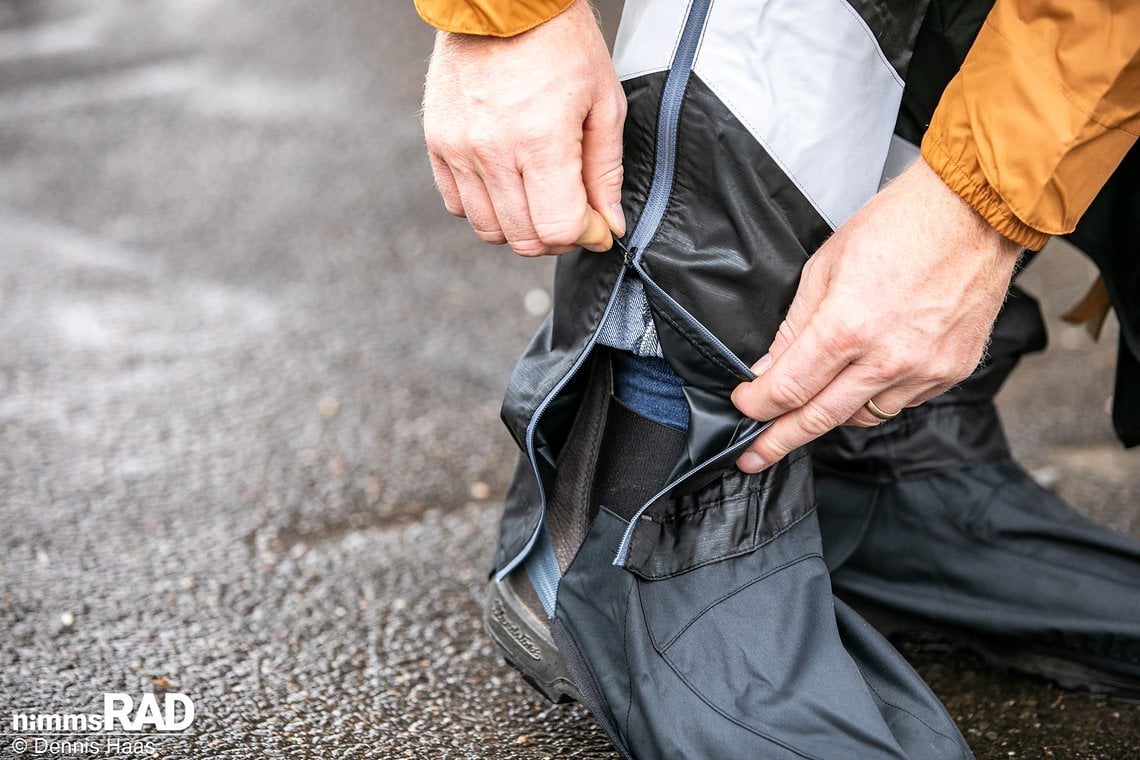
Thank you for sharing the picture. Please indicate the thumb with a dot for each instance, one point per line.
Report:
(601, 160)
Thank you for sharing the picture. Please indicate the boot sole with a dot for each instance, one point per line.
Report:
(1055, 667)
(524, 641)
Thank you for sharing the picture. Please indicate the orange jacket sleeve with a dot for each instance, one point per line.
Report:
(495, 18)
(1042, 111)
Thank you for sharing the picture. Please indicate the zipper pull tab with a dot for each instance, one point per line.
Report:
(626, 253)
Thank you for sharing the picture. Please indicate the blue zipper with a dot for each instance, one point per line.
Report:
(667, 119)
(533, 425)
(656, 203)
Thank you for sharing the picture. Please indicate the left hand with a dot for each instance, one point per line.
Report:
(895, 307)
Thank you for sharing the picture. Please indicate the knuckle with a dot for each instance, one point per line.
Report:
(744, 398)
(485, 151)
(777, 444)
(845, 339)
(611, 114)
(538, 152)
(809, 267)
(556, 232)
(455, 157)
(611, 174)
(621, 108)
(815, 419)
(769, 447)
(782, 339)
(786, 332)
(893, 366)
(787, 393)
(952, 370)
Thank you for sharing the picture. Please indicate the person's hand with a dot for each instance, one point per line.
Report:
(895, 307)
(525, 134)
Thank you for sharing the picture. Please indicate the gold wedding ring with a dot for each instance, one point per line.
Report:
(879, 412)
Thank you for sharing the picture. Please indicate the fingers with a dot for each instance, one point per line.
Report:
(525, 138)
(891, 402)
(842, 401)
(445, 184)
(552, 179)
(465, 195)
(538, 206)
(894, 307)
(513, 214)
(789, 381)
(478, 208)
(601, 161)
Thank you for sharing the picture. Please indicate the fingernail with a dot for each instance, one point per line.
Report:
(752, 462)
(617, 219)
(762, 364)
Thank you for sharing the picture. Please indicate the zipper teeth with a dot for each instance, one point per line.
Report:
(627, 538)
(668, 116)
(533, 425)
(657, 200)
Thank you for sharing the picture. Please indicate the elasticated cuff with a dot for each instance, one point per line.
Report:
(983, 198)
(489, 18)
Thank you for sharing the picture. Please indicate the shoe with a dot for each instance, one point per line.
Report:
(521, 635)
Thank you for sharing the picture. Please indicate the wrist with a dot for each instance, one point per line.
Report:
(983, 198)
(961, 220)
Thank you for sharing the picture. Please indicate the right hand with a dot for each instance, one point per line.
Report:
(525, 134)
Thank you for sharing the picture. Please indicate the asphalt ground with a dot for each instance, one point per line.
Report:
(249, 384)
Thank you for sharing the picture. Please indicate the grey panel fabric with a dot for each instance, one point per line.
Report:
(816, 83)
(986, 551)
(744, 658)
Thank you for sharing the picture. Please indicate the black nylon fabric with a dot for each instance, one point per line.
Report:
(988, 551)
(894, 24)
(729, 251)
(710, 372)
(583, 284)
(1109, 233)
(943, 40)
(1126, 400)
(736, 232)
(581, 295)
(735, 236)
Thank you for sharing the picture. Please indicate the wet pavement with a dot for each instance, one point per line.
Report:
(249, 386)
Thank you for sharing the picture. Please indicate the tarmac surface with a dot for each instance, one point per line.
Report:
(250, 374)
